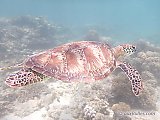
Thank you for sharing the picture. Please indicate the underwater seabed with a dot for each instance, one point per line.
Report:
(109, 99)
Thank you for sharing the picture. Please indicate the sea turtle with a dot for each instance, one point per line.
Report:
(85, 61)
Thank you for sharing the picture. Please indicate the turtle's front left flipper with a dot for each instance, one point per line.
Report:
(133, 76)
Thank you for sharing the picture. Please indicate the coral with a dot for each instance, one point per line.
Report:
(145, 45)
(92, 35)
(89, 112)
(100, 107)
(21, 35)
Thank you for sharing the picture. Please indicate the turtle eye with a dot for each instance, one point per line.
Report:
(133, 48)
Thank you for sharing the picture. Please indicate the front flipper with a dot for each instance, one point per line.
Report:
(133, 76)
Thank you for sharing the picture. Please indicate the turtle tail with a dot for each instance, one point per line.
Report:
(133, 76)
(23, 77)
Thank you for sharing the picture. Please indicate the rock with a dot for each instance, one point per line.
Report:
(48, 99)
(24, 109)
(121, 107)
(65, 116)
(122, 118)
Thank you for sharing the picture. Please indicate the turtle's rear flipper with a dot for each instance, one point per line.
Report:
(133, 76)
(23, 77)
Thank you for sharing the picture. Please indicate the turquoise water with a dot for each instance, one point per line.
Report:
(28, 27)
(123, 20)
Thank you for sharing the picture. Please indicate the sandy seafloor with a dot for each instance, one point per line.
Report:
(108, 99)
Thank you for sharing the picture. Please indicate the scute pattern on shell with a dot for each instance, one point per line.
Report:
(78, 61)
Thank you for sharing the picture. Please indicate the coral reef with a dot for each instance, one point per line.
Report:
(22, 35)
(56, 100)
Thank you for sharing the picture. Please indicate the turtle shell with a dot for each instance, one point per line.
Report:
(78, 61)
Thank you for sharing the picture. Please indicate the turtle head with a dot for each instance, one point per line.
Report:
(23, 77)
(125, 49)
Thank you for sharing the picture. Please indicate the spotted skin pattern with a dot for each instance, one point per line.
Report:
(23, 77)
(129, 49)
(133, 76)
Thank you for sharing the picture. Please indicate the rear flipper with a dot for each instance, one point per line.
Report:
(23, 77)
(133, 76)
